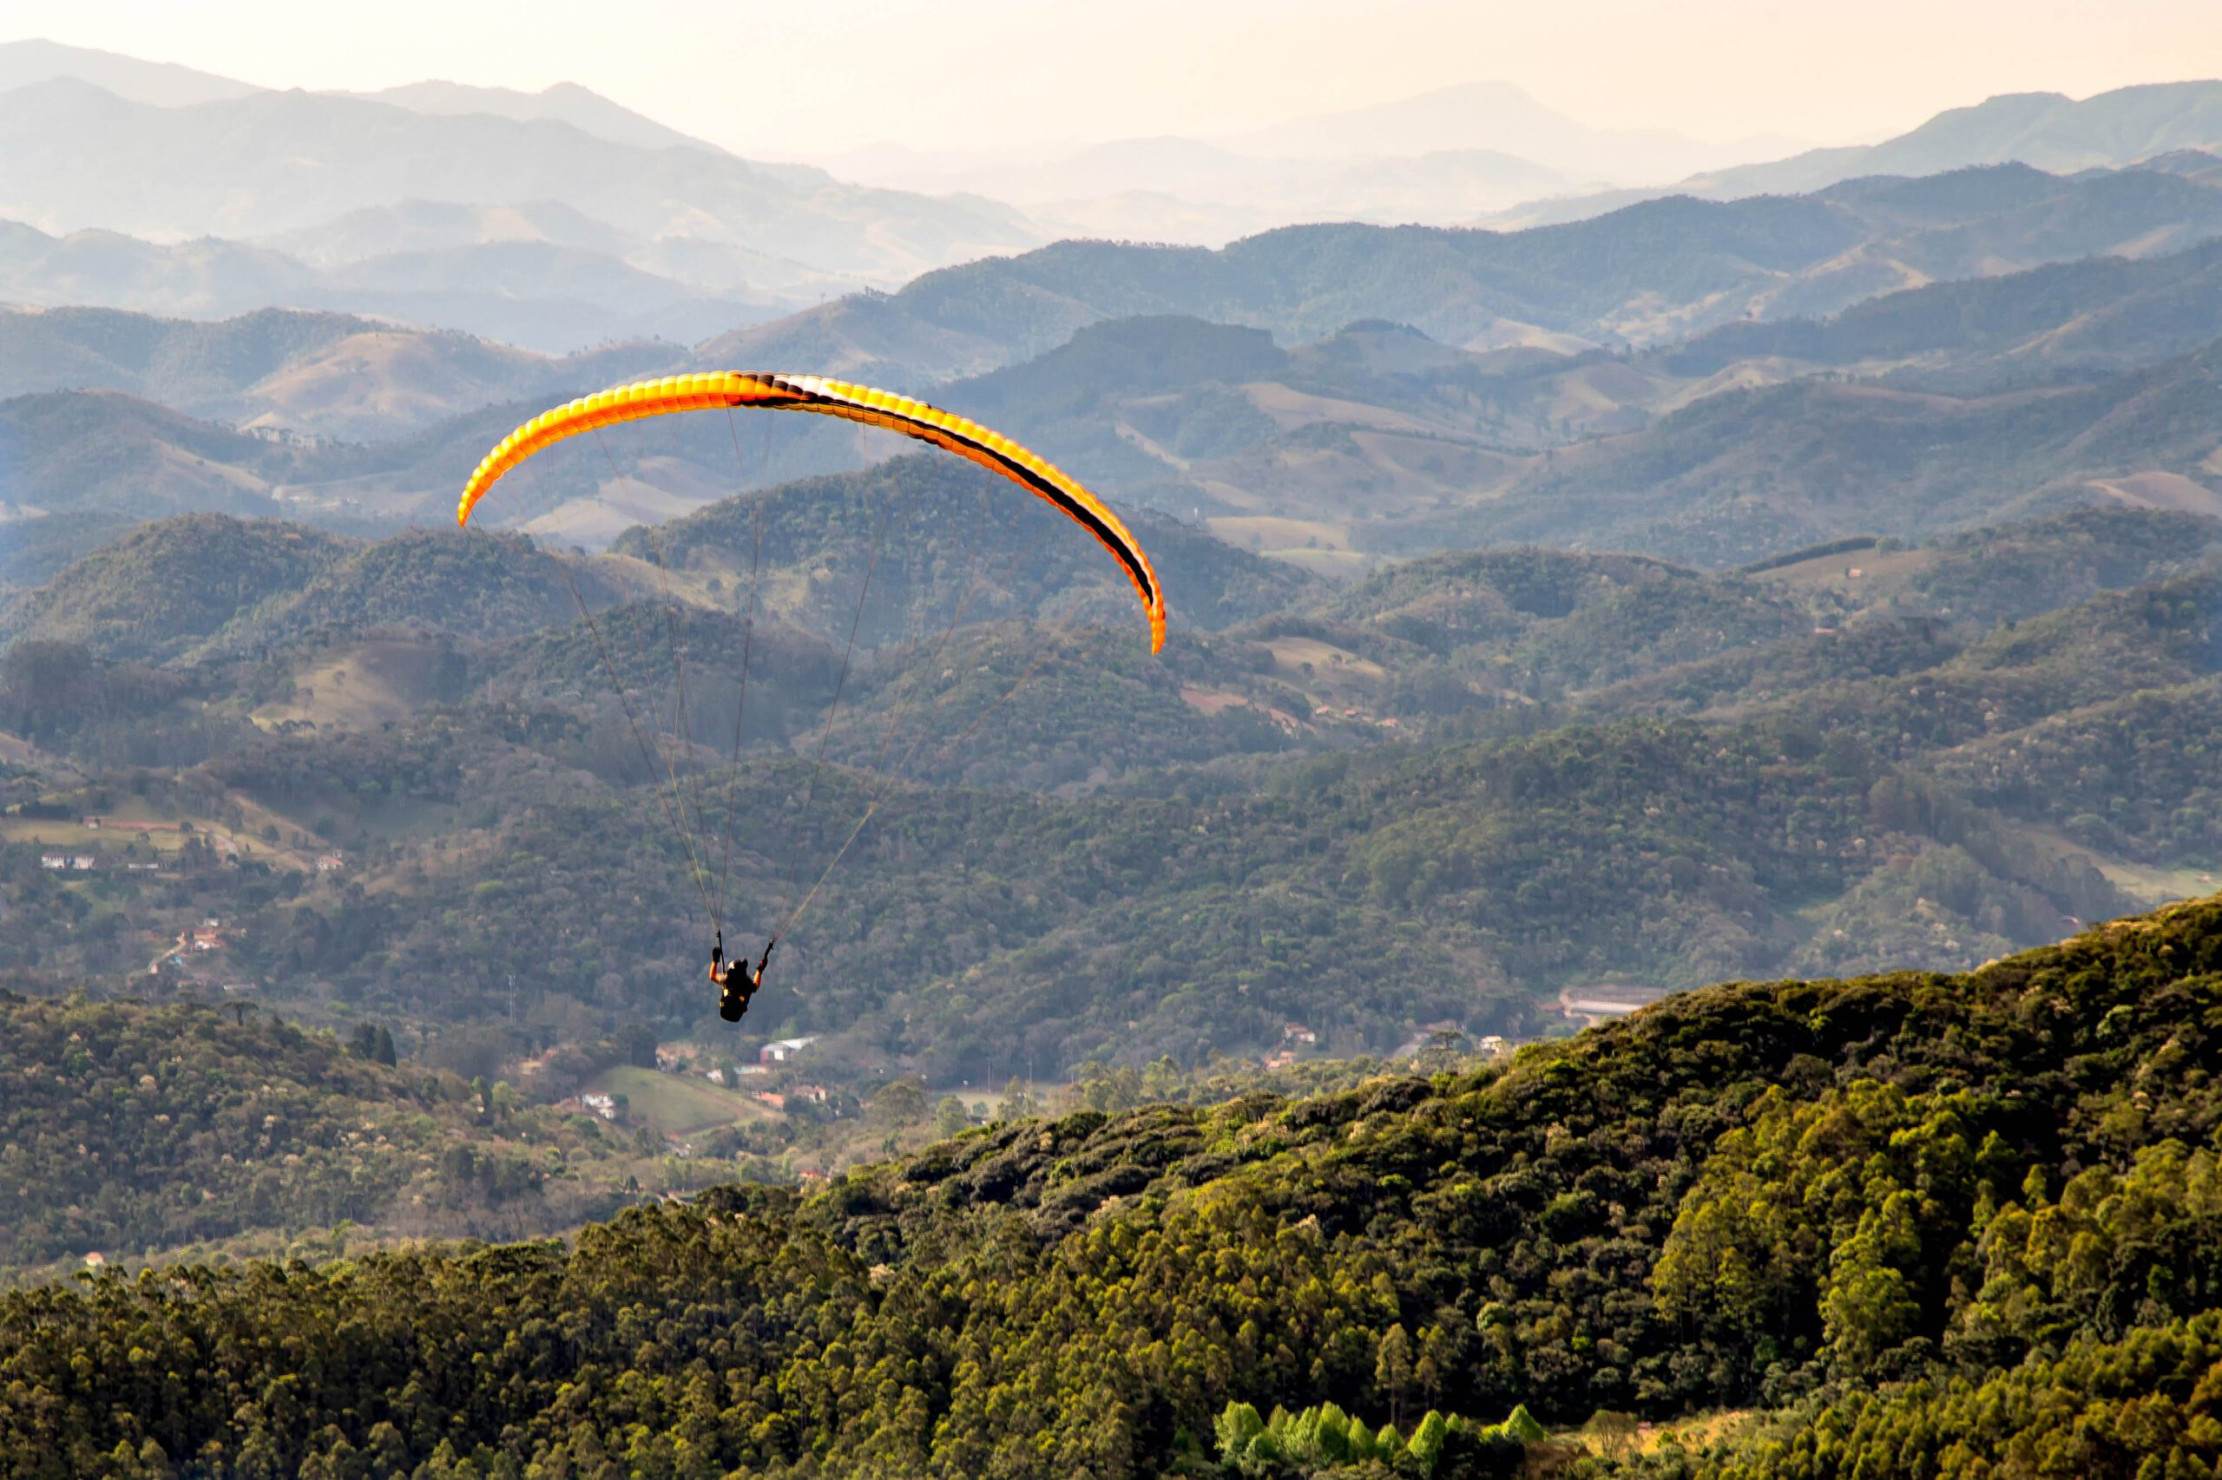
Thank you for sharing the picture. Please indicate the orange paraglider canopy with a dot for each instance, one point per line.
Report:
(737, 389)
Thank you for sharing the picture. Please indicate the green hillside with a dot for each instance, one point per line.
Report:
(131, 1130)
(1452, 792)
(80, 452)
(174, 361)
(1908, 1218)
(203, 585)
(1744, 475)
(1361, 895)
(1548, 622)
(166, 586)
(2097, 311)
(476, 584)
(939, 537)
(33, 550)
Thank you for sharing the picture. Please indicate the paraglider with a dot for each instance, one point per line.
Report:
(732, 389)
(737, 985)
(736, 981)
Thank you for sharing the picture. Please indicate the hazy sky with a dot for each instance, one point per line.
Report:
(771, 78)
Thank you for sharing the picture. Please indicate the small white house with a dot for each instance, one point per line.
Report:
(601, 1105)
(782, 1050)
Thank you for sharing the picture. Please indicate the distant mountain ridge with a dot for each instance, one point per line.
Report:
(269, 162)
(159, 84)
(167, 85)
(530, 291)
(332, 375)
(1659, 270)
(2066, 384)
(2049, 131)
(433, 203)
(1439, 158)
(1492, 115)
(563, 102)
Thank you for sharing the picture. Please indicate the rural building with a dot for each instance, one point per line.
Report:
(780, 1051)
(209, 937)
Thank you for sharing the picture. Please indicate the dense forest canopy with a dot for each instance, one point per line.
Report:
(1909, 1217)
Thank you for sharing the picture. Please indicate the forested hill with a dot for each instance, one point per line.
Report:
(939, 538)
(1899, 1226)
(1455, 791)
(130, 1129)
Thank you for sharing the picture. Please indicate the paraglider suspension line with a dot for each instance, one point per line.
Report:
(1040, 661)
(748, 648)
(848, 653)
(648, 752)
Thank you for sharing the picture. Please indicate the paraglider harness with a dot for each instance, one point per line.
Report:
(737, 985)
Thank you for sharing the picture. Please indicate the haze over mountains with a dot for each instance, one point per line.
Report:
(1331, 394)
(2052, 132)
(132, 185)
(160, 84)
(1434, 158)
(1824, 581)
(80, 157)
(1488, 153)
(435, 202)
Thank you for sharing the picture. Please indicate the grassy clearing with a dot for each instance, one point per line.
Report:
(2155, 884)
(1877, 569)
(2147, 883)
(55, 834)
(1268, 531)
(1038, 1091)
(1335, 565)
(675, 1105)
(362, 688)
(2162, 490)
(1327, 660)
(691, 584)
(153, 834)
(1620, 1437)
